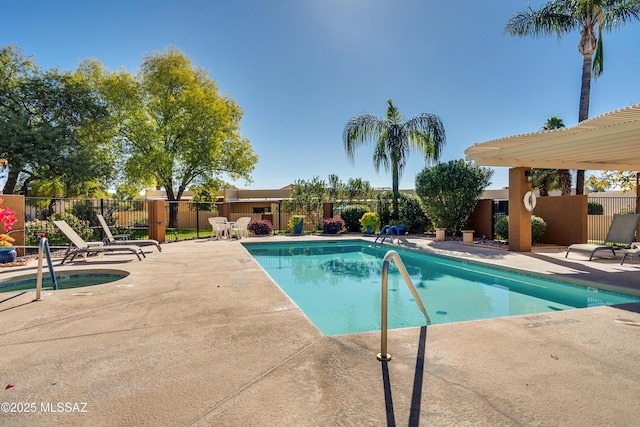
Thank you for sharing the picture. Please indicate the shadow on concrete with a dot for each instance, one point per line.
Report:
(416, 396)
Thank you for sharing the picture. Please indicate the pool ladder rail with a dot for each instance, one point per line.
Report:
(43, 250)
(393, 256)
(386, 231)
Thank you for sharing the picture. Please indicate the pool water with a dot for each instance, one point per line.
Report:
(338, 285)
(64, 282)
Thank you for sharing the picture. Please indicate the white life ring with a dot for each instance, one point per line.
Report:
(529, 201)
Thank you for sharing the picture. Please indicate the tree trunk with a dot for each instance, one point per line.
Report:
(542, 189)
(396, 190)
(564, 176)
(12, 180)
(585, 93)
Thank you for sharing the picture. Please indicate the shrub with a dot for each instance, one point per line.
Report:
(450, 191)
(351, 216)
(261, 227)
(370, 219)
(538, 227)
(293, 221)
(84, 210)
(594, 208)
(332, 225)
(410, 212)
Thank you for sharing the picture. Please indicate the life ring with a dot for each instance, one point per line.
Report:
(529, 201)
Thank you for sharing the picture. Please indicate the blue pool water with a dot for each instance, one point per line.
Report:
(337, 285)
(67, 281)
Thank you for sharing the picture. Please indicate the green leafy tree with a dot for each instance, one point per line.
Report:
(336, 188)
(450, 191)
(592, 18)
(357, 189)
(48, 123)
(174, 128)
(624, 180)
(394, 137)
(307, 199)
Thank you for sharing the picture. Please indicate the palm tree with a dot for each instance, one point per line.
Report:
(561, 17)
(545, 180)
(563, 176)
(394, 138)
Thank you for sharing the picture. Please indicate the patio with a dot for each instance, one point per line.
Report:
(199, 335)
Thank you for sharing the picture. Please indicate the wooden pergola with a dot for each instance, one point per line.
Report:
(610, 141)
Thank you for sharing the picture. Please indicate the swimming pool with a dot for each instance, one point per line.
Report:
(65, 281)
(337, 285)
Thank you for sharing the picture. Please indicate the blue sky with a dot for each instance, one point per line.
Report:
(301, 68)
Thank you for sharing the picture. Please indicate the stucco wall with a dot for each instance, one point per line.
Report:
(566, 218)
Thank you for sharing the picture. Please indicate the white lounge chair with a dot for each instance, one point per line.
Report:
(240, 227)
(79, 246)
(634, 251)
(621, 235)
(109, 239)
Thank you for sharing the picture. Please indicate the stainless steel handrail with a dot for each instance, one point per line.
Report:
(43, 249)
(393, 255)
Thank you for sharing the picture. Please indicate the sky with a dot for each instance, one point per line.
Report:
(300, 69)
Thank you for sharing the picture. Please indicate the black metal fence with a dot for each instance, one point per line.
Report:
(190, 220)
(124, 216)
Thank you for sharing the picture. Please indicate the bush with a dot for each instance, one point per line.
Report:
(351, 216)
(36, 229)
(594, 208)
(332, 225)
(261, 227)
(370, 219)
(410, 212)
(450, 191)
(293, 221)
(83, 210)
(538, 227)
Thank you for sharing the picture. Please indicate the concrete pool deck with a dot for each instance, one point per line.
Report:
(199, 335)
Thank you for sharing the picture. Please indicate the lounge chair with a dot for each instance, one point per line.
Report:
(79, 246)
(240, 227)
(620, 235)
(634, 251)
(109, 239)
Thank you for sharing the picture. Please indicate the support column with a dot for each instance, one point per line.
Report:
(157, 220)
(519, 216)
(16, 204)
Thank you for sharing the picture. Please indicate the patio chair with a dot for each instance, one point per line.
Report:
(109, 238)
(620, 235)
(79, 246)
(219, 226)
(240, 227)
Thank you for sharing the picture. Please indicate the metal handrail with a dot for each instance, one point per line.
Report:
(387, 229)
(393, 255)
(43, 249)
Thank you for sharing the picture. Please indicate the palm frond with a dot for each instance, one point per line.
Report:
(553, 18)
(619, 12)
(359, 130)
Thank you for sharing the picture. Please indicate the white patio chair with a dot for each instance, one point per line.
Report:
(240, 227)
(219, 226)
